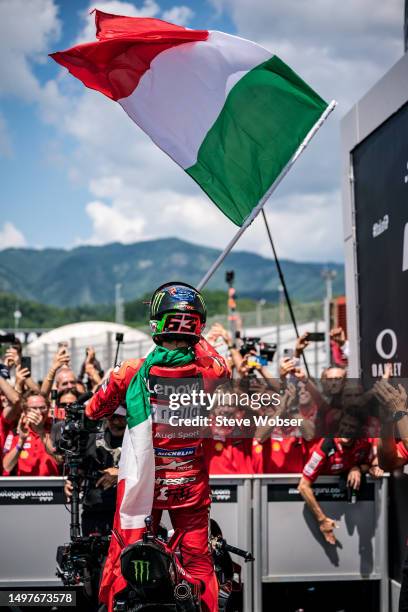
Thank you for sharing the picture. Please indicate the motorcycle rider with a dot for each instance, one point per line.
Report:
(177, 318)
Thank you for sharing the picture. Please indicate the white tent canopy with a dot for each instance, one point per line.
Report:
(99, 334)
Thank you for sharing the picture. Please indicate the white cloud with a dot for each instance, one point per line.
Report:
(10, 236)
(111, 225)
(181, 15)
(302, 224)
(340, 48)
(137, 214)
(149, 8)
(137, 192)
(27, 28)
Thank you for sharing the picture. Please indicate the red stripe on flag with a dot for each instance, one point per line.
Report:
(125, 48)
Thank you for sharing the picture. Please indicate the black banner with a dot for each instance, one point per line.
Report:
(332, 492)
(380, 165)
(226, 494)
(44, 496)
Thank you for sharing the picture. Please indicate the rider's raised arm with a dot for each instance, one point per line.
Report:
(217, 364)
(112, 393)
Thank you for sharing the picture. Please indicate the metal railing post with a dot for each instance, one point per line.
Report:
(257, 544)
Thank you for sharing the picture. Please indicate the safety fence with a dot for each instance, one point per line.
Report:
(283, 336)
(105, 351)
(263, 514)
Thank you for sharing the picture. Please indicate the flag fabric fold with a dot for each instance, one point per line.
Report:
(228, 111)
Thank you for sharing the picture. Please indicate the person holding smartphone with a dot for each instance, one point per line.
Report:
(25, 450)
(91, 372)
(61, 359)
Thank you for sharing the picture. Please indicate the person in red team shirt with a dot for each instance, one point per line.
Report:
(10, 410)
(228, 450)
(284, 449)
(177, 317)
(282, 455)
(343, 454)
(25, 450)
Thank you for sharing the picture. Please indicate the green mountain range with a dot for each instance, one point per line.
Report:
(87, 275)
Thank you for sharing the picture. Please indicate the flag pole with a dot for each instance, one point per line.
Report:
(284, 286)
(266, 196)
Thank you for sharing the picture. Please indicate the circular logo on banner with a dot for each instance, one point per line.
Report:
(387, 335)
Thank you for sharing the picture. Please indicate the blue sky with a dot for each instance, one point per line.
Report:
(74, 170)
(37, 195)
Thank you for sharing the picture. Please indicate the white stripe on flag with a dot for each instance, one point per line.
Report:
(136, 467)
(179, 98)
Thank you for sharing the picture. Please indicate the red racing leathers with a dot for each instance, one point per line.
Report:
(181, 483)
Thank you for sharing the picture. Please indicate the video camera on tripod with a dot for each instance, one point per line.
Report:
(262, 353)
(79, 561)
(76, 429)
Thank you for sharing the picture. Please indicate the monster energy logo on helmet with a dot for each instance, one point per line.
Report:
(177, 312)
(157, 298)
(141, 570)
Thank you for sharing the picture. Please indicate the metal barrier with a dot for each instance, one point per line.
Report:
(232, 509)
(398, 532)
(34, 521)
(395, 588)
(289, 547)
(105, 352)
(264, 514)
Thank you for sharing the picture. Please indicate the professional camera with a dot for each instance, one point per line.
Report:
(76, 428)
(79, 561)
(7, 338)
(264, 352)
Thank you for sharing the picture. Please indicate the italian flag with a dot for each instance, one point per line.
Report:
(228, 111)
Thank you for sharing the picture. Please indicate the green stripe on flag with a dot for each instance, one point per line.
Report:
(265, 118)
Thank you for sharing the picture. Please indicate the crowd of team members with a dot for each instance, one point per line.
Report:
(337, 432)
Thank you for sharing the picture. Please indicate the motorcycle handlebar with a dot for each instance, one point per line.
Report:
(247, 556)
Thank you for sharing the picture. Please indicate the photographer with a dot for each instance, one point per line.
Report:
(63, 400)
(99, 472)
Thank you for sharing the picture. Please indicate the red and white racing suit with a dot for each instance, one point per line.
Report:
(181, 483)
